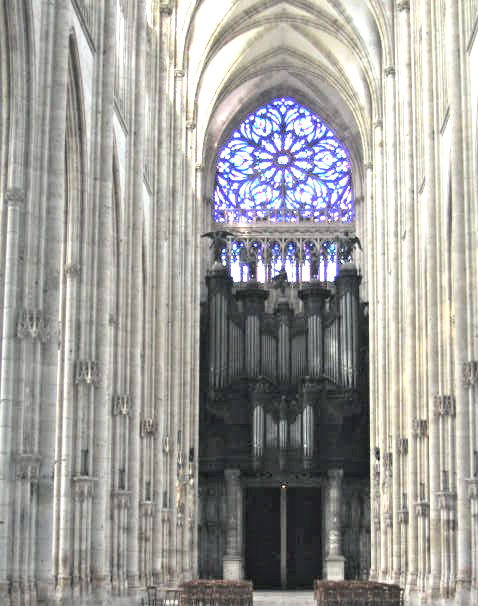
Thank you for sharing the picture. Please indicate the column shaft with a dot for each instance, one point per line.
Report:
(459, 292)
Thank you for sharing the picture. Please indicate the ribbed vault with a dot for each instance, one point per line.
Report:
(328, 55)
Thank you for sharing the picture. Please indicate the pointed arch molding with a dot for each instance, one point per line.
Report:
(17, 77)
(222, 123)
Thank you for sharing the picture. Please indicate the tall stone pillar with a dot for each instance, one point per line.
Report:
(233, 564)
(335, 561)
(459, 266)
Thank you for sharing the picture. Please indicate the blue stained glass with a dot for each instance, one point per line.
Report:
(283, 164)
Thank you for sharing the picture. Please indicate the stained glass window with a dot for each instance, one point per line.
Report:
(283, 164)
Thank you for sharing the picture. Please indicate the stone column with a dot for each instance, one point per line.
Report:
(233, 565)
(335, 561)
(136, 304)
(473, 494)
(432, 282)
(454, 63)
(105, 302)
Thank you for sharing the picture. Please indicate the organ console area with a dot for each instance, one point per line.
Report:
(283, 489)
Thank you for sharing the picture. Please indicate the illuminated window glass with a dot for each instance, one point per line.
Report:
(283, 164)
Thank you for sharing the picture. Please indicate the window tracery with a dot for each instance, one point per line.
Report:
(283, 185)
(283, 164)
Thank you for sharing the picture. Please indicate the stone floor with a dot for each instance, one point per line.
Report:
(283, 598)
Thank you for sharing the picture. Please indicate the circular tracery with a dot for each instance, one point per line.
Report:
(283, 164)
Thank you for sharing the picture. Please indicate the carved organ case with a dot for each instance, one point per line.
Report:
(284, 395)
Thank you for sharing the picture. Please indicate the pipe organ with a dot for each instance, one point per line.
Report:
(284, 389)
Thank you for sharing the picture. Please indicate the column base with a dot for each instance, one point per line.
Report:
(232, 568)
(335, 568)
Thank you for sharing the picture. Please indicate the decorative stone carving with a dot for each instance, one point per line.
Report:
(121, 499)
(388, 519)
(403, 516)
(34, 324)
(72, 270)
(83, 488)
(121, 405)
(444, 405)
(447, 501)
(470, 373)
(473, 496)
(403, 5)
(27, 467)
(420, 428)
(147, 427)
(87, 372)
(14, 196)
(403, 446)
(422, 509)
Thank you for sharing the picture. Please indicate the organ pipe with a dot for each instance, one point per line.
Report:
(219, 291)
(347, 291)
(314, 295)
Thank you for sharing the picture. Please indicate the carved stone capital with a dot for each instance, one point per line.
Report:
(33, 323)
(422, 509)
(389, 71)
(403, 516)
(444, 405)
(446, 501)
(420, 428)
(121, 405)
(121, 499)
(470, 373)
(14, 196)
(403, 5)
(83, 488)
(178, 73)
(146, 509)
(148, 427)
(403, 446)
(473, 489)
(87, 372)
(72, 270)
(27, 467)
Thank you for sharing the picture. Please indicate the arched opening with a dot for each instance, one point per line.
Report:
(284, 395)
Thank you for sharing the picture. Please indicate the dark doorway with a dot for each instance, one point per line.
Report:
(303, 537)
(263, 537)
